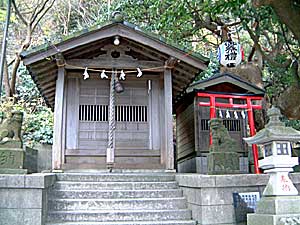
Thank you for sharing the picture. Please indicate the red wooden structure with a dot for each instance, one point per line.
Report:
(248, 105)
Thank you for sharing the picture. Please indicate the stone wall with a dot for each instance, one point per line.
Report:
(44, 157)
(31, 160)
(199, 165)
(23, 198)
(210, 197)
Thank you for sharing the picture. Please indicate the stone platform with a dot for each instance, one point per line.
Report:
(23, 198)
(276, 211)
(210, 197)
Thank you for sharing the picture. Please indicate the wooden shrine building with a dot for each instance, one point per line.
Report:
(96, 124)
(226, 96)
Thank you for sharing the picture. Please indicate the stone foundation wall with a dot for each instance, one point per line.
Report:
(199, 165)
(210, 197)
(23, 198)
(44, 157)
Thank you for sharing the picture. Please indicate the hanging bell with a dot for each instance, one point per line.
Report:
(118, 87)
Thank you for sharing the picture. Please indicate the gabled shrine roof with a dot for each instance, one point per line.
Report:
(42, 61)
(221, 81)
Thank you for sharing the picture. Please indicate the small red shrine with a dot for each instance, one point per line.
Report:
(226, 96)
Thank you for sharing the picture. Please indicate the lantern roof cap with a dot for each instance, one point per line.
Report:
(275, 130)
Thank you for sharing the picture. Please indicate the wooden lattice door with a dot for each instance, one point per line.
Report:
(87, 120)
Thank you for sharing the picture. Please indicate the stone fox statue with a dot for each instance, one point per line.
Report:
(221, 140)
(10, 127)
(222, 157)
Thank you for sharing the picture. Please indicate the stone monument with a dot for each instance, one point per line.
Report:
(280, 204)
(223, 157)
(12, 154)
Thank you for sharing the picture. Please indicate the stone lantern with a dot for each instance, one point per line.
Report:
(275, 141)
(280, 203)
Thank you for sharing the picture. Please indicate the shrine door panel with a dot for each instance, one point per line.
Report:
(88, 111)
(93, 114)
(131, 114)
(87, 116)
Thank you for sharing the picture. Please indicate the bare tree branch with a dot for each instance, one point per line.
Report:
(18, 13)
(265, 56)
(36, 14)
(6, 79)
(287, 12)
(42, 15)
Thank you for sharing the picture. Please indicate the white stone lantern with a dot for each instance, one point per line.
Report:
(275, 141)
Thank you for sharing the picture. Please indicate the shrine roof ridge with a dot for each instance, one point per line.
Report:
(223, 78)
(106, 24)
(225, 93)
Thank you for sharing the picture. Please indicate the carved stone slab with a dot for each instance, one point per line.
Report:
(11, 158)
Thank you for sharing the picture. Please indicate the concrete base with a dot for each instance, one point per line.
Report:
(31, 160)
(278, 210)
(199, 165)
(210, 197)
(13, 171)
(187, 165)
(223, 163)
(23, 198)
(44, 157)
(18, 160)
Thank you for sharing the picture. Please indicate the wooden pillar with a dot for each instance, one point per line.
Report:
(58, 148)
(168, 119)
(212, 113)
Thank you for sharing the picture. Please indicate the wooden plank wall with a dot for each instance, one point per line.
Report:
(185, 135)
(202, 135)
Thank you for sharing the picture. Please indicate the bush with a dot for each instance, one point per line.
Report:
(38, 118)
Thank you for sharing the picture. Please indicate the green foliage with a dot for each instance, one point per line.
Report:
(212, 69)
(38, 126)
(7, 106)
(293, 123)
(2, 15)
(38, 119)
(190, 23)
(277, 80)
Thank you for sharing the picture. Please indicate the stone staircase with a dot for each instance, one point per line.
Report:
(117, 199)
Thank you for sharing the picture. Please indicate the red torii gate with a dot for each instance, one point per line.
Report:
(248, 106)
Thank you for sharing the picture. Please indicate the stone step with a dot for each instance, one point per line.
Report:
(117, 204)
(113, 194)
(115, 170)
(68, 185)
(118, 215)
(116, 177)
(168, 222)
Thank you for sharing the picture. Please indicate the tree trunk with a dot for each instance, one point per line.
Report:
(6, 80)
(17, 62)
(289, 102)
